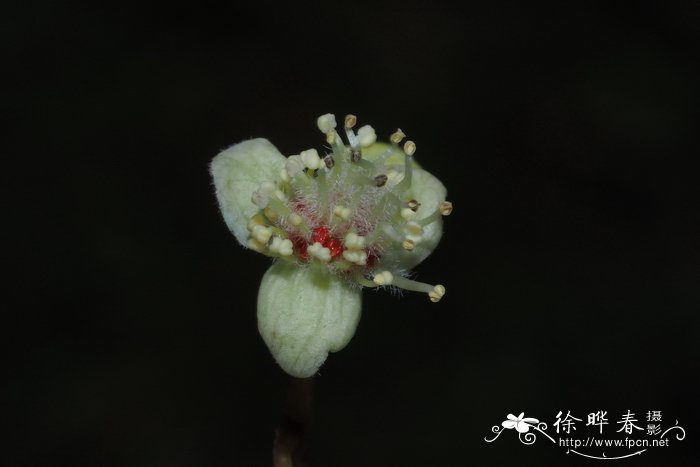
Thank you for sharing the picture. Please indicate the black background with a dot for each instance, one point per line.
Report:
(564, 136)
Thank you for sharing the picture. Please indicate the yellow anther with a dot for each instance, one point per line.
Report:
(295, 219)
(358, 257)
(281, 246)
(409, 148)
(408, 213)
(383, 278)
(397, 136)
(366, 135)
(330, 137)
(437, 293)
(310, 159)
(261, 233)
(354, 241)
(319, 252)
(350, 121)
(445, 208)
(326, 123)
(343, 212)
(408, 244)
(270, 214)
(257, 219)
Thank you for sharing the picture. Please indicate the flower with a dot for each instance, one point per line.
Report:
(360, 216)
(522, 425)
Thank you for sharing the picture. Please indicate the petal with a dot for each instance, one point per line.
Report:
(238, 171)
(530, 420)
(512, 417)
(522, 427)
(509, 424)
(304, 313)
(428, 191)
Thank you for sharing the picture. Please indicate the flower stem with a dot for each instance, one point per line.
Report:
(288, 448)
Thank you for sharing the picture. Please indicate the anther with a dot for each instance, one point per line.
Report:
(366, 135)
(437, 293)
(397, 136)
(445, 208)
(281, 246)
(261, 233)
(350, 121)
(330, 137)
(326, 123)
(355, 155)
(310, 159)
(409, 148)
(408, 244)
(342, 212)
(329, 161)
(383, 278)
(413, 205)
(257, 219)
(319, 252)
(295, 219)
(353, 241)
(380, 180)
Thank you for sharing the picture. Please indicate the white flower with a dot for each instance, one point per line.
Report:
(521, 425)
(334, 224)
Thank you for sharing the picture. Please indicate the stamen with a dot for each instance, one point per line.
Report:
(408, 244)
(413, 205)
(366, 136)
(409, 148)
(437, 293)
(350, 120)
(354, 241)
(319, 252)
(380, 180)
(331, 137)
(295, 219)
(326, 123)
(310, 159)
(355, 155)
(261, 233)
(397, 136)
(383, 278)
(445, 208)
(281, 246)
(342, 212)
(329, 161)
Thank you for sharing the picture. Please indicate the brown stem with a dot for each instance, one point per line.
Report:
(288, 449)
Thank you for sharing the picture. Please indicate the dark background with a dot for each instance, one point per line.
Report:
(564, 137)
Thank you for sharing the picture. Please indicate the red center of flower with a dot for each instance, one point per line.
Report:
(318, 235)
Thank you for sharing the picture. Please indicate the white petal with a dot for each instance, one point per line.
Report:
(522, 427)
(238, 171)
(428, 191)
(509, 424)
(304, 313)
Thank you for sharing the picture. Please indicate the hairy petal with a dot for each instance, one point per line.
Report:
(303, 314)
(429, 191)
(238, 171)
